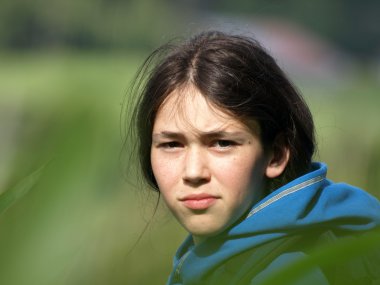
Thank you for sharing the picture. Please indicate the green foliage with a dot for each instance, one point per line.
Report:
(11, 196)
(83, 24)
(137, 24)
(76, 221)
(342, 255)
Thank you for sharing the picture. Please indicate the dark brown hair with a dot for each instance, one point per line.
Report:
(238, 76)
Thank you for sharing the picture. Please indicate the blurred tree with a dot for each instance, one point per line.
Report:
(142, 23)
(84, 24)
(354, 25)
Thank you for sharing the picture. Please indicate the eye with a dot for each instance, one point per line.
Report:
(170, 145)
(224, 143)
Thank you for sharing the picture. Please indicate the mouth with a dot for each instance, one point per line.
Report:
(199, 201)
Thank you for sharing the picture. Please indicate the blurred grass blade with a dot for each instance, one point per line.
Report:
(11, 196)
(329, 255)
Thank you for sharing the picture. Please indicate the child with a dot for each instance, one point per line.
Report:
(228, 142)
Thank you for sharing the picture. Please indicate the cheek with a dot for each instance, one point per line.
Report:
(165, 171)
(242, 175)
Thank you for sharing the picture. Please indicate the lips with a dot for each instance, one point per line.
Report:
(199, 201)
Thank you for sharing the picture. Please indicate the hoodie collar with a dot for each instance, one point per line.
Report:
(310, 201)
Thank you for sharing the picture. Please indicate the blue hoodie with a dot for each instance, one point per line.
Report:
(306, 203)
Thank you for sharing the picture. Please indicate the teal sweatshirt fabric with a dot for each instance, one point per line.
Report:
(305, 204)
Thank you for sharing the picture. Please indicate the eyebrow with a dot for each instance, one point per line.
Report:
(210, 134)
(167, 134)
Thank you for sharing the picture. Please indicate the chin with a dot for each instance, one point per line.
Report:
(204, 233)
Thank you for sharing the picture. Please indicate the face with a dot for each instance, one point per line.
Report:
(208, 165)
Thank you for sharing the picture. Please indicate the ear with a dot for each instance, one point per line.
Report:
(278, 160)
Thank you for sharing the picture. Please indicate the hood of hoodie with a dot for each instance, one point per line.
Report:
(308, 202)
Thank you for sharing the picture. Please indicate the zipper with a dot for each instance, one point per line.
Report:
(177, 272)
(285, 193)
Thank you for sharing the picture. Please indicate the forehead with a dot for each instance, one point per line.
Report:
(188, 109)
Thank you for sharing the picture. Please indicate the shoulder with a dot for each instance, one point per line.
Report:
(345, 201)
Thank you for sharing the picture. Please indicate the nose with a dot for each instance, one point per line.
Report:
(196, 169)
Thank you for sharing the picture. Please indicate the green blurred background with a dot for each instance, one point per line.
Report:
(65, 67)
